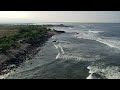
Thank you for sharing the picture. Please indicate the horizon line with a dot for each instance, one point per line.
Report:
(51, 22)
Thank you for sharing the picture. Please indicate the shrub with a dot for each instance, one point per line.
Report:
(27, 32)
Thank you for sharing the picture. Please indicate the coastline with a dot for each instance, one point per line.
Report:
(14, 57)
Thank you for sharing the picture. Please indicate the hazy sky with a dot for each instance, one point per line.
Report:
(59, 16)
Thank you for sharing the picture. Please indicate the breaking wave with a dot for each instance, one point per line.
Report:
(94, 35)
(110, 72)
(6, 75)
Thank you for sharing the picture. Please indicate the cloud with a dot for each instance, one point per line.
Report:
(13, 14)
(59, 16)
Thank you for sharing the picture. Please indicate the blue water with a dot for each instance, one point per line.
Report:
(85, 51)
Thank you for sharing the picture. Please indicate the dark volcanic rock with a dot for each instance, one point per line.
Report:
(23, 51)
(59, 25)
(59, 31)
(54, 41)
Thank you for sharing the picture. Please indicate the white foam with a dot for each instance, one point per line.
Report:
(111, 43)
(56, 46)
(6, 75)
(90, 71)
(53, 37)
(110, 72)
(59, 46)
(93, 35)
(67, 56)
(86, 35)
(88, 67)
(90, 77)
(58, 56)
(93, 31)
(61, 49)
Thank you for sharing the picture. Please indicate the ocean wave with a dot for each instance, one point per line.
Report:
(109, 42)
(110, 72)
(93, 31)
(94, 35)
(6, 75)
(86, 35)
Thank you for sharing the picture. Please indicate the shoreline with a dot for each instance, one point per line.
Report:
(14, 57)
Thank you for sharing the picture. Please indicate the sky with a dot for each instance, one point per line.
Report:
(58, 16)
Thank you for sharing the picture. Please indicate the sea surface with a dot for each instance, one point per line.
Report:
(85, 51)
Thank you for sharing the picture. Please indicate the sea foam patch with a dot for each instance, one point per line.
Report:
(6, 75)
(110, 72)
(80, 57)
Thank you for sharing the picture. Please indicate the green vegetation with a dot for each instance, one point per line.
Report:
(24, 32)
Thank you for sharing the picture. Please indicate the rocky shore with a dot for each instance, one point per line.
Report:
(13, 57)
(59, 25)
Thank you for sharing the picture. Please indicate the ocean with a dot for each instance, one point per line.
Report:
(85, 51)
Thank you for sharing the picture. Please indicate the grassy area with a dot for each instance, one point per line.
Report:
(9, 35)
(7, 32)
